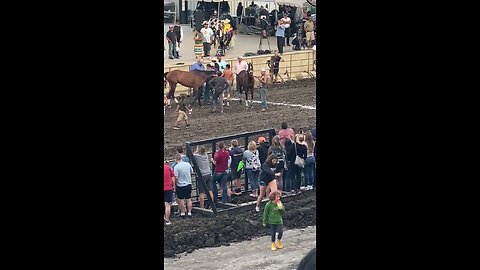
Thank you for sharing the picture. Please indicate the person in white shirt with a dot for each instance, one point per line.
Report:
(207, 39)
(239, 67)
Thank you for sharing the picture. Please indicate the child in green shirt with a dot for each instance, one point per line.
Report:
(272, 215)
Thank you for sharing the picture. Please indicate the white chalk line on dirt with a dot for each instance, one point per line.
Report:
(281, 104)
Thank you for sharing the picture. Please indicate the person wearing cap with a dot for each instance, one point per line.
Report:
(207, 33)
(178, 30)
(263, 88)
(221, 63)
(263, 149)
(172, 43)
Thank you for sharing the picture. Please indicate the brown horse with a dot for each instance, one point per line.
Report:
(246, 82)
(193, 79)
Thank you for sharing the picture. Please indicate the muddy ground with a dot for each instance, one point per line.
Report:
(206, 125)
(187, 235)
(248, 255)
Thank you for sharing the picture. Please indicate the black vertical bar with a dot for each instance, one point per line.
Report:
(199, 176)
(245, 170)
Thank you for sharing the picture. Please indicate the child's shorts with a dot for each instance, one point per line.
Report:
(182, 116)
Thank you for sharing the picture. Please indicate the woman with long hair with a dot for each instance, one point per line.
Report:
(267, 179)
(279, 151)
(252, 166)
(301, 152)
(308, 170)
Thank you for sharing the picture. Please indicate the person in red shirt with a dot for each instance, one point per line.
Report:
(220, 160)
(168, 188)
(285, 133)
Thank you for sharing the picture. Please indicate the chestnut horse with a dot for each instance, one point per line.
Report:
(193, 79)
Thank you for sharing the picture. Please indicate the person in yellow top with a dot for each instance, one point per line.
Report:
(228, 31)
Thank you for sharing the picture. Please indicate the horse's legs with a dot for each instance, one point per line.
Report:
(171, 93)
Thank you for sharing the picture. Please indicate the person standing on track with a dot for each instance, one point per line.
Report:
(228, 75)
(263, 89)
(218, 85)
(182, 110)
(183, 175)
(272, 215)
(168, 188)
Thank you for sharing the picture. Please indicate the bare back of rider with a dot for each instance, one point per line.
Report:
(218, 85)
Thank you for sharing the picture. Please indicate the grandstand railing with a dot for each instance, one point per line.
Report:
(295, 66)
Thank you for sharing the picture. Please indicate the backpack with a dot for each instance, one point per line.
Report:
(256, 165)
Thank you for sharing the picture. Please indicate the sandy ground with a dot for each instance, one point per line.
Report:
(243, 44)
(253, 254)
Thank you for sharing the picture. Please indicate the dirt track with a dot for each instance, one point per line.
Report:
(206, 125)
(187, 235)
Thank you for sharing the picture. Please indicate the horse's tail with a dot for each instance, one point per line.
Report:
(165, 75)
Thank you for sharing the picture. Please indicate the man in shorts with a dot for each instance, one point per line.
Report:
(168, 188)
(183, 176)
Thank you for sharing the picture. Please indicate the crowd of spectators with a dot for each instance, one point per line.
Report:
(267, 167)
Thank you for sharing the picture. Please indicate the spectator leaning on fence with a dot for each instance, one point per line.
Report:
(220, 160)
(279, 151)
(285, 132)
(252, 167)
(168, 188)
(309, 169)
(183, 175)
(203, 163)
(267, 179)
(301, 152)
(262, 149)
(290, 160)
(236, 153)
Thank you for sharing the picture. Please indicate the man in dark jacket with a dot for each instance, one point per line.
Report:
(172, 43)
